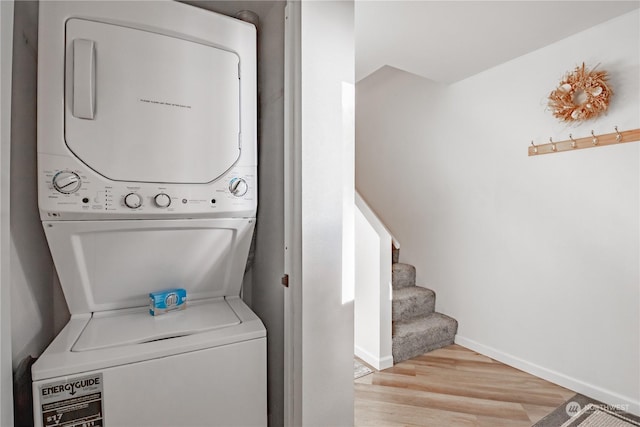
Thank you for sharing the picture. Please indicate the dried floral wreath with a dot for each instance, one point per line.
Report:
(581, 95)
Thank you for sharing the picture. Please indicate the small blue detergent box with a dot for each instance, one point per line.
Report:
(161, 302)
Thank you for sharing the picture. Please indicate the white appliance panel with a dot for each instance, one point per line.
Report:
(147, 107)
(219, 386)
(108, 265)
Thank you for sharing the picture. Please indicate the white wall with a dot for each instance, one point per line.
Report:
(537, 258)
(319, 181)
(327, 322)
(372, 307)
(366, 308)
(6, 45)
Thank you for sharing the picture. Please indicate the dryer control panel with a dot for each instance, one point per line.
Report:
(68, 191)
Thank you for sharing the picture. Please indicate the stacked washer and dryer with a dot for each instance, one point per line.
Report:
(147, 180)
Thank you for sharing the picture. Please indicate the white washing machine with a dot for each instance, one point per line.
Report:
(147, 181)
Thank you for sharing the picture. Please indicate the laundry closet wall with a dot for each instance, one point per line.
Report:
(6, 61)
(537, 257)
(267, 293)
(38, 309)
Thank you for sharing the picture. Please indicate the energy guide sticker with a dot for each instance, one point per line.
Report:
(74, 402)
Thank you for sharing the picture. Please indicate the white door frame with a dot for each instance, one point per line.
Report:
(6, 54)
(292, 218)
(319, 165)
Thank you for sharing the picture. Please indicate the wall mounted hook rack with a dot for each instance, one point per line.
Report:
(591, 141)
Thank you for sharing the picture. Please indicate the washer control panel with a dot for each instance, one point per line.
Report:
(68, 192)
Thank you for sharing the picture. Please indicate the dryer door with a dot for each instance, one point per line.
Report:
(147, 107)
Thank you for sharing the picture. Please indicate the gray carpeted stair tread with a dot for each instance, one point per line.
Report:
(420, 335)
(416, 327)
(411, 302)
(402, 275)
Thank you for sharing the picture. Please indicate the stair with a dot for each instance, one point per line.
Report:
(417, 327)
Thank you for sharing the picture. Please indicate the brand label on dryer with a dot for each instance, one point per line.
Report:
(74, 402)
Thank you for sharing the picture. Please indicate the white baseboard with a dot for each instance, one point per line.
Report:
(379, 363)
(590, 390)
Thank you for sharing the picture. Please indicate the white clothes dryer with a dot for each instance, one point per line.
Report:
(147, 180)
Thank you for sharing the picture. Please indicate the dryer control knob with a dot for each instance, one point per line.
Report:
(66, 182)
(133, 200)
(162, 200)
(238, 187)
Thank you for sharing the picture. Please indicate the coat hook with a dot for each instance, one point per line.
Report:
(618, 134)
(574, 143)
(594, 139)
(535, 149)
(553, 145)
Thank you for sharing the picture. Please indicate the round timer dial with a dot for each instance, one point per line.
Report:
(238, 187)
(66, 182)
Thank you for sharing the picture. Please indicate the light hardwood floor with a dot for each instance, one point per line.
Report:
(453, 387)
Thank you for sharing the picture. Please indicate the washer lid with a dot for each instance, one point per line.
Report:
(59, 360)
(112, 265)
(147, 107)
(137, 326)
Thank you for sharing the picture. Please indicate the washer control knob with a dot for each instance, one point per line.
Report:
(133, 200)
(238, 187)
(66, 182)
(162, 200)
